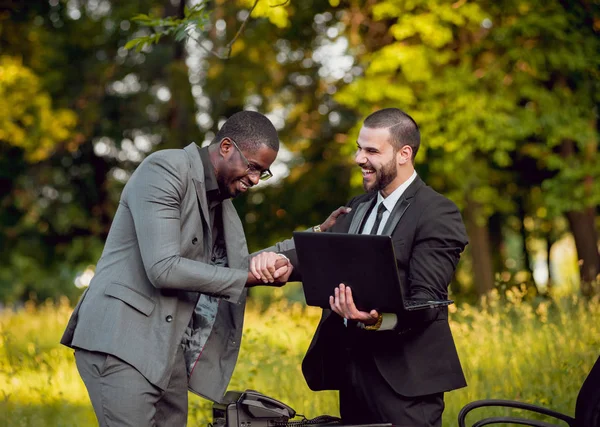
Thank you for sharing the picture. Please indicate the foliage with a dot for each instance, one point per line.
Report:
(195, 21)
(28, 120)
(195, 18)
(274, 10)
(491, 84)
(506, 94)
(55, 214)
(509, 350)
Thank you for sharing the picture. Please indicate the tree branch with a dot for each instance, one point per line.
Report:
(280, 4)
(240, 30)
(211, 52)
(230, 44)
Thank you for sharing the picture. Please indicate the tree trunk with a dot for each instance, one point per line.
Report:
(582, 224)
(483, 274)
(549, 242)
(497, 242)
(586, 241)
(180, 117)
(526, 258)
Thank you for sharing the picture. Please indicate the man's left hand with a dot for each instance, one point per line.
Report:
(343, 304)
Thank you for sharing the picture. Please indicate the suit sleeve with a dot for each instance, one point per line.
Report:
(440, 239)
(154, 199)
(287, 248)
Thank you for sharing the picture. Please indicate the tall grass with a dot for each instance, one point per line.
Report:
(515, 350)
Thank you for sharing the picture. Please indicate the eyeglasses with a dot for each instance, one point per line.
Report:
(263, 175)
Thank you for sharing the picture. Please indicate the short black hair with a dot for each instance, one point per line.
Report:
(249, 130)
(403, 129)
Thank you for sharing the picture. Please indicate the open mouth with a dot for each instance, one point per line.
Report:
(244, 186)
(367, 172)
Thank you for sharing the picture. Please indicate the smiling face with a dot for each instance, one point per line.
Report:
(237, 172)
(383, 166)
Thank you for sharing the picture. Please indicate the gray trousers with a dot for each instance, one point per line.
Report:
(121, 396)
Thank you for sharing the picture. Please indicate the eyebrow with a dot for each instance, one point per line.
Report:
(368, 148)
(257, 166)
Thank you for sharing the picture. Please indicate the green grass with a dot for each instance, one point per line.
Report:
(538, 354)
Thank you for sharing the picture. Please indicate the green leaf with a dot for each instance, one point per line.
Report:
(132, 43)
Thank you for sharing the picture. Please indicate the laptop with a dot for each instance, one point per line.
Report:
(365, 262)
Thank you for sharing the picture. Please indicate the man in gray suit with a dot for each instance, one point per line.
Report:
(165, 308)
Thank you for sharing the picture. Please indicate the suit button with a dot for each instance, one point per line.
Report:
(169, 318)
(194, 240)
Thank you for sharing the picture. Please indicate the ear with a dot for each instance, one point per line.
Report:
(226, 148)
(404, 155)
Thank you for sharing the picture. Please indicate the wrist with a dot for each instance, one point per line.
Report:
(375, 325)
(317, 228)
(252, 281)
(370, 321)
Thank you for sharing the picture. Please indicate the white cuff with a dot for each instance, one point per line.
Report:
(389, 321)
(283, 256)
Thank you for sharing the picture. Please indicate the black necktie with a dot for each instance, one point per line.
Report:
(380, 211)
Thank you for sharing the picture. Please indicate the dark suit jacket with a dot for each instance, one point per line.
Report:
(418, 357)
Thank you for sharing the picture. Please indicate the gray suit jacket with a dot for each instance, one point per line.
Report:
(155, 264)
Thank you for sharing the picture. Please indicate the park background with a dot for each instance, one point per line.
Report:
(506, 96)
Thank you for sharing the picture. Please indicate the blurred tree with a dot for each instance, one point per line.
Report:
(280, 65)
(130, 103)
(491, 84)
(57, 212)
(549, 52)
(505, 93)
(28, 120)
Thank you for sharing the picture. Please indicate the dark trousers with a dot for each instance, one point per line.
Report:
(367, 398)
(121, 396)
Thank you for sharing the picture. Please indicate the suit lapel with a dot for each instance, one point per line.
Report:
(235, 241)
(198, 178)
(359, 216)
(401, 206)
(395, 216)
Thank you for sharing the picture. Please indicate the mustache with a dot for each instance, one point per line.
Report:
(366, 165)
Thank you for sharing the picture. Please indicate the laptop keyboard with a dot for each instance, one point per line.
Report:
(419, 302)
(414, 302)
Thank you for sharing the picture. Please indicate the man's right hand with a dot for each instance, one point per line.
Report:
(269, 267)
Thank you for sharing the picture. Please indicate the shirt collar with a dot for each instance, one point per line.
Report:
(390, 201)
(213, 194)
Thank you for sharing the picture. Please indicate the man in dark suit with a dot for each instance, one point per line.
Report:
(389, 367)
(165, 309)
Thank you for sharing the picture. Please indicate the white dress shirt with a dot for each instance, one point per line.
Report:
(389, 202)
(389, 320)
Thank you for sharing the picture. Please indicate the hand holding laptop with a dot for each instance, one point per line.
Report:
(342, 303)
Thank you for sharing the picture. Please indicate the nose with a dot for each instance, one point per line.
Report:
(359, 158)
(254, 178)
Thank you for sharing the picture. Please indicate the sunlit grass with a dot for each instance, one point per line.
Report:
(535, 353)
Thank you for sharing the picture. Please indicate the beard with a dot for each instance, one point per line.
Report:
(383, 177)
(225, 190)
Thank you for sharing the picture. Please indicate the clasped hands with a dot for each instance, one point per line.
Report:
(269, 268)
(275, 269)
